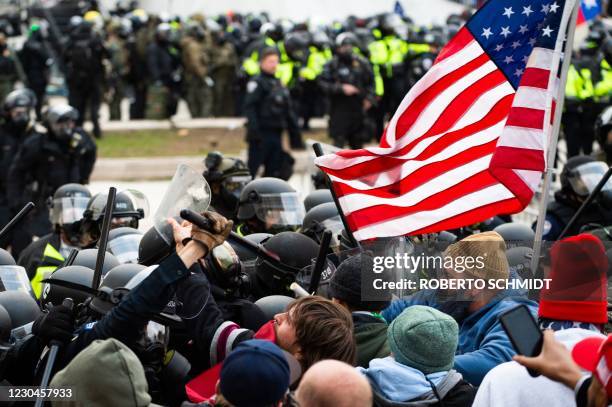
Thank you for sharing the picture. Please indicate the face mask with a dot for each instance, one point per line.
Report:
(21, 120)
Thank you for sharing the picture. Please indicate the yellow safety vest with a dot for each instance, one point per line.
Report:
(44, 270)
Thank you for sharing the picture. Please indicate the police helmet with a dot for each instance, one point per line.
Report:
(581, 174)
(317, 197)
(6, 259)
(321, 218)
(111, 286)
(21, 307)
(195, 30)
(60, 120)
(321, 40)
(19, 98)
(227, 177)
(123, 243)
(516, 234)
(153, 248)
(68, 282)
(347, 38)
(67, 207)
(273, 304)
(519, 260)
(246, 255)
(88, 257)
(296, 46)
(272, 30)
(163, 31)
(603, 127)
(295, 252)
(273, 203)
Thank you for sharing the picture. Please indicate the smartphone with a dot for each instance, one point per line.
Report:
(523, 331)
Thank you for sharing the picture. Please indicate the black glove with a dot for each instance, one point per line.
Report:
(57, 324)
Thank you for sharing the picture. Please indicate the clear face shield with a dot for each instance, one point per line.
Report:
(284, 210)
(14, 278)
(125, 248)
(585, 178)
(336, 226)
(304, 276)
(68, 210)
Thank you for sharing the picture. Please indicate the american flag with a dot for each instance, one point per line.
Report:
(468, 141)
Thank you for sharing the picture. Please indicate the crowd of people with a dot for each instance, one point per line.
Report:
(261, 299)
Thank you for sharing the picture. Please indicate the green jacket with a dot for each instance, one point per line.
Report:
(370, 337)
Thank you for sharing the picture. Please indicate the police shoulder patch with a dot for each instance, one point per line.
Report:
(251, 86)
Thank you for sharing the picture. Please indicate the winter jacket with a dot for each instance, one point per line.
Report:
(397, 385)
(483, 344)
(370, 337)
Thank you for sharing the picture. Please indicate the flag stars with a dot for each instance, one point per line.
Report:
(518, 73)
(525, 59)
(532, 41)
(509, 59)
(553, 7)
(505, 31)
(499, 47)
(516, 44)
(547, 31)
(527, 11)
(508, 12)
(545, 8)
(523, 29)
(486, 32)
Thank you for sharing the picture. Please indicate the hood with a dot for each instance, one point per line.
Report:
(397, 382)
(106, 373)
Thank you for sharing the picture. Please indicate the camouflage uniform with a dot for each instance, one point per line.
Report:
(198, 94)
(223, 72)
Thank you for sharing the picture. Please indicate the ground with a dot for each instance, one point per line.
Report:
(179, 142)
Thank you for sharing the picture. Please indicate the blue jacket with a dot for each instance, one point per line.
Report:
(483, 343)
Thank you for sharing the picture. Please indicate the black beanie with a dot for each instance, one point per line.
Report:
(345, 284)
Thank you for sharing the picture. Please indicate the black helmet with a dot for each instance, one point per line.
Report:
(68, 282)
(321, 40)
(123, 243)
(317, 197)
(246, 255)
(116, 278)
(603, 126)
(130, 207)
(516, 234)
(153, 248)
(6, 325)
(19, 98)
(581, 175)
(6, 259)
(321, 218)
(296, 46)
(271, 204)
(273, 304)
(21, 307)
(227, 178)
(66, 209)
(295, 251)
(87, 258)
(60, 121)
(274, 31)
(347, 38)
(519, 260)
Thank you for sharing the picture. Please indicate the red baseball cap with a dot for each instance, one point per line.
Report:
(595, 355)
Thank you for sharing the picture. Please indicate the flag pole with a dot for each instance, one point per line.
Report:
(552, 148)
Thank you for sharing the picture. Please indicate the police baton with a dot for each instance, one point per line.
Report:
(106, 222)
(53, 350)
(321, 262)
(586, 203)
(16, 219)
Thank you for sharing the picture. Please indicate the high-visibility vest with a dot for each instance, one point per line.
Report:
(51, 260)
(579, 84)
(603, 88)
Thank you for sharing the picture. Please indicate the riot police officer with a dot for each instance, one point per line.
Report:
(44, 255)
(269, 111)
(227, 178)
(16, 126)
(269, 205)
(603, 133)
(579, 177)
(349, 83)
(46, 161)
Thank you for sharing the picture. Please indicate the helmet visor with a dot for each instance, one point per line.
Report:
(14, 278)
(284, 209)
(336, 226)
(68, 210)
(585, 178)
(125, 248)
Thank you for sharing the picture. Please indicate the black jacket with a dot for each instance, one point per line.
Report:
(32, 256)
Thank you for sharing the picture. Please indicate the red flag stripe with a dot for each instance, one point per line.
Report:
(526, 117)
(536, 78)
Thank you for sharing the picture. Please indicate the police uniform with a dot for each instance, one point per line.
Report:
(40, 259)
(269, 111)
(346, 113)
(42, 165)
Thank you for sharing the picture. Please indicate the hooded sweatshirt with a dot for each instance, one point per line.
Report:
(510, 385)
(106, 373)
(483, 343)
(370, 337)
(395, 384)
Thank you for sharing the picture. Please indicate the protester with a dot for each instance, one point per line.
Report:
(330, 383)
(423, 342)
(483, 344)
